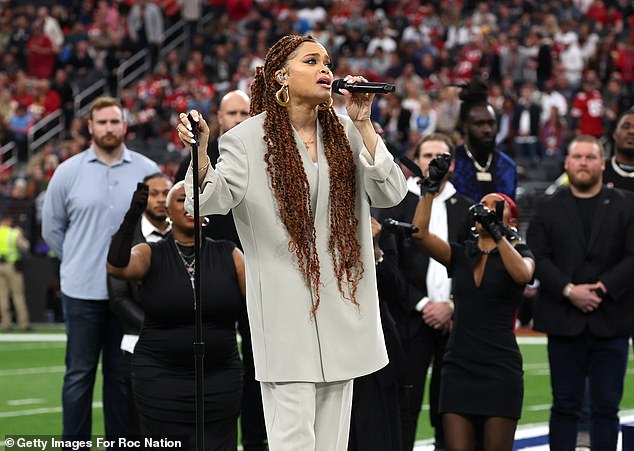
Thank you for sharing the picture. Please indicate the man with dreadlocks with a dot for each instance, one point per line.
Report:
(480, 167)
(300, 181)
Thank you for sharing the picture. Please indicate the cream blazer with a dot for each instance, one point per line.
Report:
(341, 342)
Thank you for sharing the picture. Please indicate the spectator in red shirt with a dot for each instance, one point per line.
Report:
(40, 53)
(48, 98)
(614, 19)
(21, 94)
(597, 12)
(625, 63)
(587, 107)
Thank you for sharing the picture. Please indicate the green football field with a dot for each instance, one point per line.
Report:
(31, 374)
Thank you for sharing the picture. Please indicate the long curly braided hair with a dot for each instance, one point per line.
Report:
(290, 183)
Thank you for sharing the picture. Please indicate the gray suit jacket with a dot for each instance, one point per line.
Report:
(341, 342)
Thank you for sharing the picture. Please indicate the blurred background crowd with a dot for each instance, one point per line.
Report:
(554, 70)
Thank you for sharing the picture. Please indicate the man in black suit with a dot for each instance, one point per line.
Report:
(418, 290)
(583, 241)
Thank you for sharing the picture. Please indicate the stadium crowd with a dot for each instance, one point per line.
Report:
(569, 65)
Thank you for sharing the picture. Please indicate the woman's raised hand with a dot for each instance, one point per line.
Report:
(359, 104)
(186, 135)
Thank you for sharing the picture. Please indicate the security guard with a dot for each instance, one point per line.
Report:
(12, 244)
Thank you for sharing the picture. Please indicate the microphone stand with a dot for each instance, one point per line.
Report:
(199, 345)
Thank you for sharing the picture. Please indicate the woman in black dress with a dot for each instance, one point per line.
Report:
(481, 383)
(163, 362)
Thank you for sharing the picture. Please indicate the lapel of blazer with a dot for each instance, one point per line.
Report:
(313, 173)
(322, 183)
(603, 204)
(569, 210)
(408, 249)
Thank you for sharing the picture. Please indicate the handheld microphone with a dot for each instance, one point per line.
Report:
(393, 224)
(368, 87)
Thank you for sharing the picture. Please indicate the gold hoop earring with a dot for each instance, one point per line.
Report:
(325, 105)
(279, 96)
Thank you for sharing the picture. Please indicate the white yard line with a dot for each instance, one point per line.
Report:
(25, 402)
(42, 410)
(26, 336)
(23, 371)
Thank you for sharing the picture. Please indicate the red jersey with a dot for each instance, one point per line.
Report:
(588, 109)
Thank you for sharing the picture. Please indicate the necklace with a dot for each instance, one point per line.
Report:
(311, 140)
(619, 170)
(477, 165)
(188, 261)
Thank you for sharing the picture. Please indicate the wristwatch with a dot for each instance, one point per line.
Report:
(568, 289)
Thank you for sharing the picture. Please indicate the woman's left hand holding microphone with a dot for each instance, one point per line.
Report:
(186, 135)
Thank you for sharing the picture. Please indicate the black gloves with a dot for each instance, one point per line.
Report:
(438, 168)
(121, 245)
(512, 235)
(138, 204)
(489, 220)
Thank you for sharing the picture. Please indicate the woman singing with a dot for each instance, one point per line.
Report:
(482, 385)
(300, 181)
(163, 362)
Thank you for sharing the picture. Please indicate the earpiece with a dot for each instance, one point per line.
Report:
(280, 77)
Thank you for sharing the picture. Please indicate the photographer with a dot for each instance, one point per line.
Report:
(418, 289)
(481, 378)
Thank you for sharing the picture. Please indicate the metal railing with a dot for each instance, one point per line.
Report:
(172, 38)
(9, 147)
(131, 69)
(203, 21)
(47, 128)
(141, 62)
(82, 101)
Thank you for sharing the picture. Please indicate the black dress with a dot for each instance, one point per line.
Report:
(482, 367)
(163, 362)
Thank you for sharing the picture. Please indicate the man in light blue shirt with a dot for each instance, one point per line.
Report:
(84, 205)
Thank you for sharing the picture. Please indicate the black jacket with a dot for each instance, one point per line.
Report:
(556, 237)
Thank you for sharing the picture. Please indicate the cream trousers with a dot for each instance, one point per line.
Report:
(306, 416)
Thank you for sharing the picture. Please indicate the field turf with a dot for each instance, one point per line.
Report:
(31, 374)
